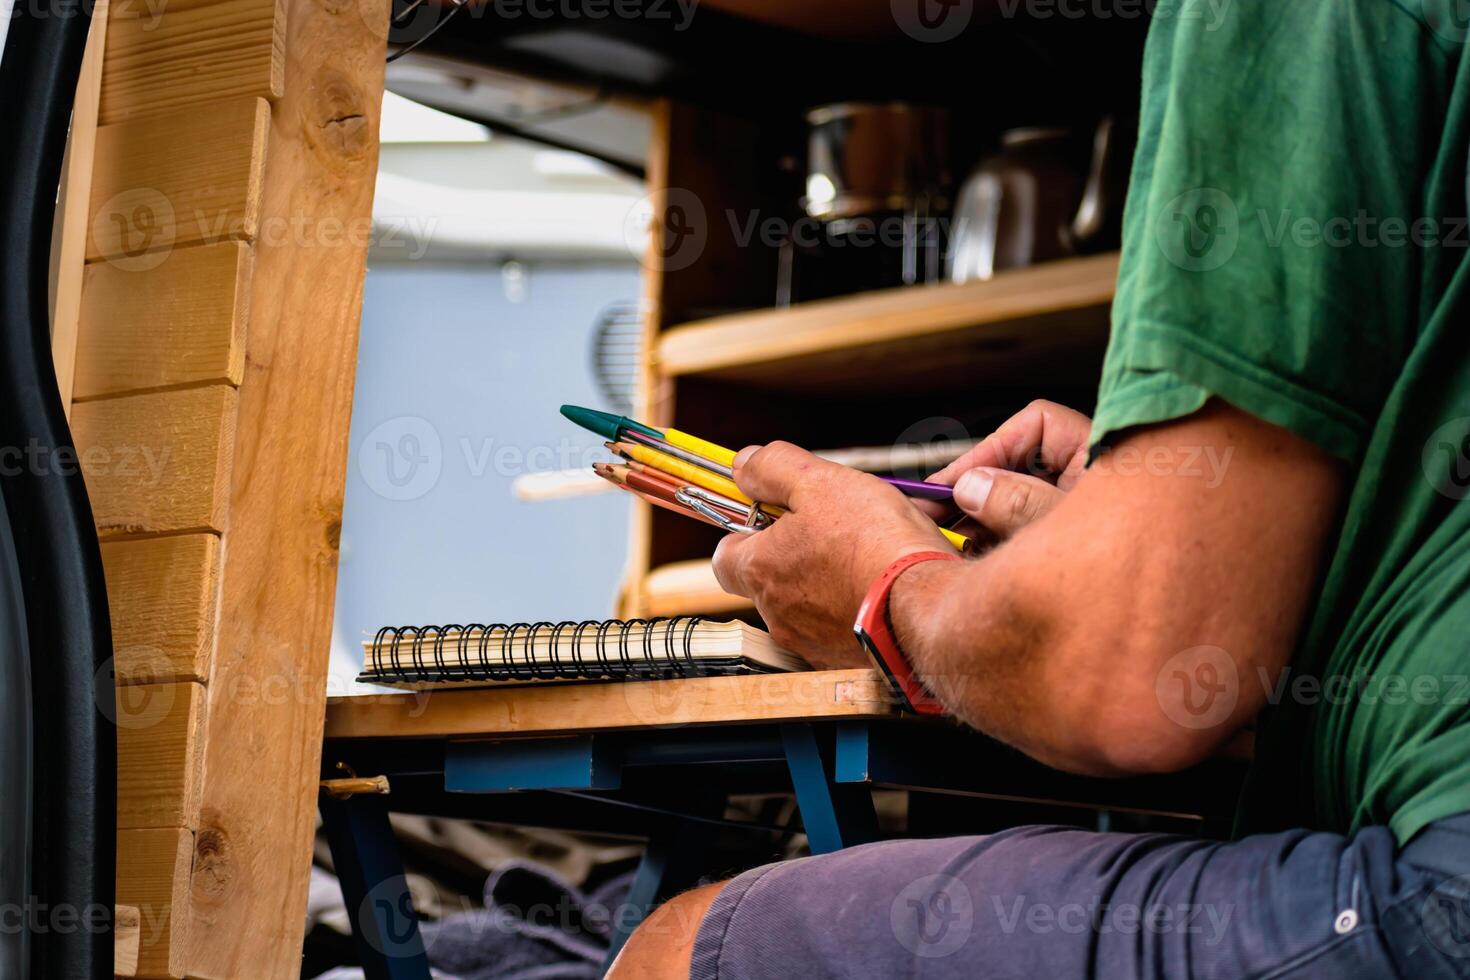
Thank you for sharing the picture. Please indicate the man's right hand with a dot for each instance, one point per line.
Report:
(1020, 471)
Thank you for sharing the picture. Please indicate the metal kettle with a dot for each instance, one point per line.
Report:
(1028, 203)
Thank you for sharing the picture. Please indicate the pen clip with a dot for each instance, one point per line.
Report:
(688, 498)
(754, 516)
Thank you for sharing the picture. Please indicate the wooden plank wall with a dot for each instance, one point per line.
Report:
(219, 297)
(74, 207)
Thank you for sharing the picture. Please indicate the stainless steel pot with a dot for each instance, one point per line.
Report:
(866, 158)
(1028, 202)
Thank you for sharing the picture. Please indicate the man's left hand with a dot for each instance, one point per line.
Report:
(808, 572)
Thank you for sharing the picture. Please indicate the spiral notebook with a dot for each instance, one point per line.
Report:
(634, 649)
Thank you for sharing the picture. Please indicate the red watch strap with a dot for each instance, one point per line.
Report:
(875, 633)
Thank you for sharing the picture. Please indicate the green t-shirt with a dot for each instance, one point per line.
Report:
(1295, 243)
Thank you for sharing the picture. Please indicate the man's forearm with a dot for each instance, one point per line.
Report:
(974, 643)
(1055, 642)
(1078, 638)
(1032, 660)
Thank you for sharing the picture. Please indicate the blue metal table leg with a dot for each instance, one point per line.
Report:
(835, 815)
(673, 861)
(365, 854)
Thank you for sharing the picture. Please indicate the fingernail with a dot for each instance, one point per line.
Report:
(745, 454)
(971, 489)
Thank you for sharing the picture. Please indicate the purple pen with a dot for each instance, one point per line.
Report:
(920, 489)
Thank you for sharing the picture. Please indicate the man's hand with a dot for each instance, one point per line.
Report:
(1143, 622)
(1019, 472)
(1076, 641)
(808, 572)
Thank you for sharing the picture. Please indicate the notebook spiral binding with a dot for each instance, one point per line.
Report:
(417, 653)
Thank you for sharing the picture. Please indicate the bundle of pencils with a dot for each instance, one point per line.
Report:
(687, 475)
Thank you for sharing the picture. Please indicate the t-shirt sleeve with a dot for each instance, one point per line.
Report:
(1275, 233)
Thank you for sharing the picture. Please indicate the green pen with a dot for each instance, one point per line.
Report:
(602, 423)
(606, 424)
(699, 452)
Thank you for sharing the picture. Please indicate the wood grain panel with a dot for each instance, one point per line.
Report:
(167, 181)
(159, 727)
(162, 596)
(531, 710)
(158, 462)
(180, 323)
(165, 55)
(127, 930)
(989, 319)
(153, 876)
(267, 689)
(74, 208)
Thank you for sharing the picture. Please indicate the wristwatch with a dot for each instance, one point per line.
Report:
(875, 633)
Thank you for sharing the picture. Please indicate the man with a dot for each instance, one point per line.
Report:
(1293, 304)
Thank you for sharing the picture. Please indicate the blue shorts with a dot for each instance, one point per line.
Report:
(1057, 903)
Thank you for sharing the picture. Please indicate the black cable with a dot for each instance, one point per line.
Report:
(677, 814)
(458, 6)
(15, 756)
(413, 5)
(50, 518)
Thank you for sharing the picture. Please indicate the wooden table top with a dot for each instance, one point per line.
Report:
(545, 708)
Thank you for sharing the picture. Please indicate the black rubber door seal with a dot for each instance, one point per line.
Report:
(69, 916)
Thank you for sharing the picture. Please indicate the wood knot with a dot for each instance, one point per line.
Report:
(213, 865)
(339, 125)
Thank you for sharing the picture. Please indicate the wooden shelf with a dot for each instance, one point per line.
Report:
(968, 333)
(688, 588)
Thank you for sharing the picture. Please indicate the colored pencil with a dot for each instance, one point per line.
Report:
(620, 480)
(700, 452)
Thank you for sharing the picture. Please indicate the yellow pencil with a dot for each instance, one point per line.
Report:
(698, 446)
(686, 472)
(726, 457)
(689, 473)
(960, 542)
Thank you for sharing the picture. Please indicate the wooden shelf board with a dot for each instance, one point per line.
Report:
(688, 588)
(970, 331)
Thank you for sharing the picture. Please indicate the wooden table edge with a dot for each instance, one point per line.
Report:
(533, 709)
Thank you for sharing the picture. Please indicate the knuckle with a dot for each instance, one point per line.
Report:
(722, 576)
(787, 463)
(1018, 503)
(749, 568)
(778, 453)
(725, 565)
(996, 447)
